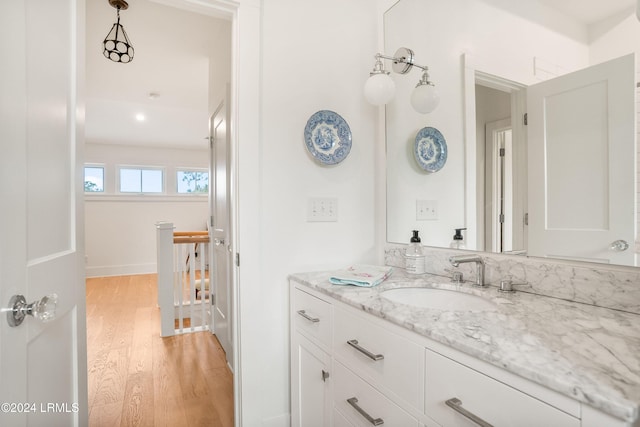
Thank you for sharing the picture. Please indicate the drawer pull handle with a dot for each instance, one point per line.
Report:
(375, 421)
(456, 404)
(306, 316)
(354, 344)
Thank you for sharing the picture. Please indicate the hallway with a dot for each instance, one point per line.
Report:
(137, 378)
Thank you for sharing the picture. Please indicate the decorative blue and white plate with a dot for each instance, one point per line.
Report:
(430, 149)
(327, 137)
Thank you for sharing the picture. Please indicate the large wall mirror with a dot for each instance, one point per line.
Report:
(559, 183)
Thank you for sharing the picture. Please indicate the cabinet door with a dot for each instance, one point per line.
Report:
(310, 384)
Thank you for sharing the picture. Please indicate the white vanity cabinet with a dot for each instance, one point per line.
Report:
(351, 368)
(310, 360)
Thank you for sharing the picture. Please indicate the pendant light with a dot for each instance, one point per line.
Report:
(117, 46)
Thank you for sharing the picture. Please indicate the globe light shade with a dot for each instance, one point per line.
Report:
(379, 89)
(425, 98)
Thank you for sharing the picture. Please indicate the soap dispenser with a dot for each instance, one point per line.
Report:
(414, 255)
(458, 240)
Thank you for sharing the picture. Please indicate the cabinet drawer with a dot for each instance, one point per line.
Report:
(312, 316)
(399, 367)
(496, 403)
(348, 387)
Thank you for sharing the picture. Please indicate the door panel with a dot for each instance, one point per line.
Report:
(581, 138)
(41, 221)
(220, 230)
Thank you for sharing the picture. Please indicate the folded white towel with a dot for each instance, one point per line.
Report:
(361, 275)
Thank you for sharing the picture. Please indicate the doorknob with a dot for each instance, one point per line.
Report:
(619, 246)
(218, 242)
(43, 309)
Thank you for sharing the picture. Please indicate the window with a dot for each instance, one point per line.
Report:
(141, 180)
(192, 182)
(94, 179)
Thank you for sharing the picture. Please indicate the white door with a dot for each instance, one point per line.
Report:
(220, 227)
(581, 134)
(501, 232)
(43, 372)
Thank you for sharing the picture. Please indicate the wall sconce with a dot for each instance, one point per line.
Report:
(380, 88)
(116, 46)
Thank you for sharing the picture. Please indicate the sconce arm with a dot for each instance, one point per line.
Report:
(403, 60)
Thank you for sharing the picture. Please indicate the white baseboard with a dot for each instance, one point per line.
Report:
(120, 270)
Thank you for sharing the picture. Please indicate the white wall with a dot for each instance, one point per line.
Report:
(120, 235)
(219, 65)
(297, 57)
(314, 56)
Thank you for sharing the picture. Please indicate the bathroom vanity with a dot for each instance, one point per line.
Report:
(368, 356)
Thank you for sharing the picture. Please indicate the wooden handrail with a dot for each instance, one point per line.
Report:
(191, 233)
(190, 237)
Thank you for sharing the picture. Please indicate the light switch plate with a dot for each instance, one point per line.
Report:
(322, 209)
(426, 210)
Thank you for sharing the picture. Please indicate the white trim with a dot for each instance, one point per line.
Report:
(471, 76)
(146, 197)
(215, 8)
(121, 270)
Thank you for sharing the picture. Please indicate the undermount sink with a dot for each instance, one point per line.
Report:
(439, 299)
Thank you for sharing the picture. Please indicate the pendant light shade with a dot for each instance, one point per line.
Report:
(379, 88)
(116, 45)
(425, 97)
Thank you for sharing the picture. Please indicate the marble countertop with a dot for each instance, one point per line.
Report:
(589, 353)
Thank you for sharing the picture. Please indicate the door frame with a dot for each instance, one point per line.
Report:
(494, 183)
(229, 10)
(245, 17)
(474, 150)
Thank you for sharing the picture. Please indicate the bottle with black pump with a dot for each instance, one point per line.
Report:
(414, 255)
(458, 240)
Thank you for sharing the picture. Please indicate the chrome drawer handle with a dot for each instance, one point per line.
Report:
(456, 404)
(354, 344)
(306, 316)
(375, 421)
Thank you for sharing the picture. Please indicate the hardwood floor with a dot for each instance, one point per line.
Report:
(137, 378)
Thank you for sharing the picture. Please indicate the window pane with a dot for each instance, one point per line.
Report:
(130, 181)
(93, 179)
(151, 181)
(193, 182)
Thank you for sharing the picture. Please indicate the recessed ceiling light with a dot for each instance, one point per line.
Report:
(140, 117)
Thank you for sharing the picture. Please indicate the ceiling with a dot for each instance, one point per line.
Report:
(590, 11)
(173, 52)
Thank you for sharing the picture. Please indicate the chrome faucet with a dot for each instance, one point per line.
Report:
(460, 259)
